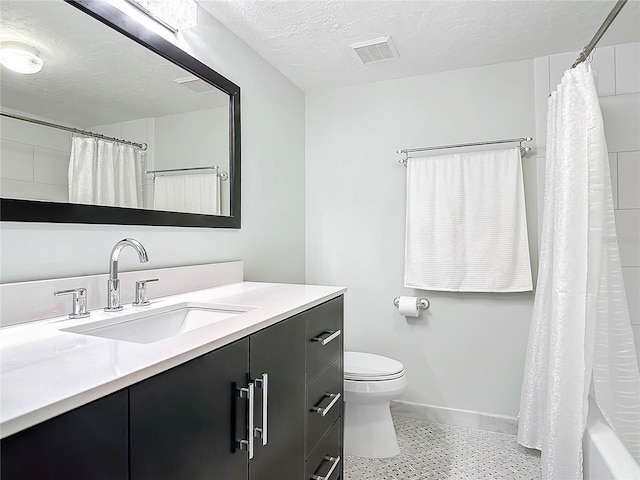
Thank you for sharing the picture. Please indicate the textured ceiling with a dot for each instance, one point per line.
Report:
(308, 40)
(92, 75)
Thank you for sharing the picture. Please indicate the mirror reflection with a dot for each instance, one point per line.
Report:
(106, 121)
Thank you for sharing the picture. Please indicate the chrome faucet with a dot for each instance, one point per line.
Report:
(113, 285)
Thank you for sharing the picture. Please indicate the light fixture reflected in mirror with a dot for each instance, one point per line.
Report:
(20, 58)
(172, 14)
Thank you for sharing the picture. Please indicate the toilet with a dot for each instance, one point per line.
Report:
(370, 383)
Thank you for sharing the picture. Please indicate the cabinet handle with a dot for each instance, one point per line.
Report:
(247, 444)
(326, 337)
(263, 384)
(323, 411)
(335, 461)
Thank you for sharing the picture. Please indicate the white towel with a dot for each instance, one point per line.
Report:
(466, 223)
(187, 193)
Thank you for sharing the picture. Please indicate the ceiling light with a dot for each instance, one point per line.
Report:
(20, 58)
(172, 14)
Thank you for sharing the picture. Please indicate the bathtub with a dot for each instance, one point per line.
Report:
(604, 455)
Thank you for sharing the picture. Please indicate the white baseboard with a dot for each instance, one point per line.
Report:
(451, 416)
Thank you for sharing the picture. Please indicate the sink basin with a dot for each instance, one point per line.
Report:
(153, 326)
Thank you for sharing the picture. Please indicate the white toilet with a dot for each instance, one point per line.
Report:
(370, 383)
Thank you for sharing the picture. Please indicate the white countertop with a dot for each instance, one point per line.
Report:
(45, 371)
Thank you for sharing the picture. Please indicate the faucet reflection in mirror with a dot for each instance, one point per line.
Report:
(113, 284)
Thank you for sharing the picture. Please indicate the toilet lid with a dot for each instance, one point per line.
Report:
(368, 366)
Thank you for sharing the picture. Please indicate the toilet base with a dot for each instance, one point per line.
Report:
(369, 430)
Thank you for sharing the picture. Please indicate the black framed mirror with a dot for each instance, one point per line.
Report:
(20, 207)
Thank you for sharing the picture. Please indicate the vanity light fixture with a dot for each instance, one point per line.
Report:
(172, 14)
(20, 58)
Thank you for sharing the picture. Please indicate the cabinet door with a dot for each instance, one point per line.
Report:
(183, 422)
(90, 442)
(279, 352)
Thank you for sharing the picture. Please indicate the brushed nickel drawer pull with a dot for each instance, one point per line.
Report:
(336, 462)
(263, 384)
(247, 445)
(324, 410)
(327, 337)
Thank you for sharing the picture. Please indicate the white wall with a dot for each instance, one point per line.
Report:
(617, 73)
(271, 241)
(467, 351)
(193, 139)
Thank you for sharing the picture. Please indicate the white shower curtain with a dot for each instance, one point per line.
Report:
(580, 330)
(105, 173)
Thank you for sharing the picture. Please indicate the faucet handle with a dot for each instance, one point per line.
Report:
(141, 292)
(79, 305)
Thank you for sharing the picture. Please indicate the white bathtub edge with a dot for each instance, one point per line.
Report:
(605, 456)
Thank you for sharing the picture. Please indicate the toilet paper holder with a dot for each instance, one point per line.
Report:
(423, 303)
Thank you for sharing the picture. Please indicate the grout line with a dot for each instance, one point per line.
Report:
(626, 151)
(617, 182)
(618, 94)
(615, 75)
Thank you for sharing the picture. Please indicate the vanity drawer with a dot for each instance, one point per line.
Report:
(327, 457)
(324, 336)
(324, 404)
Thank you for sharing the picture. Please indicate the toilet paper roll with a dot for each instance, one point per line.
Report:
(408, 306)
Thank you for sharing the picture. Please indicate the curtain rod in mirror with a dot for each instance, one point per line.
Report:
(141, 146)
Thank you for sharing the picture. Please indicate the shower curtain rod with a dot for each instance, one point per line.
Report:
(523, 150)
(596, 38)
(223, 175)
(141, 146)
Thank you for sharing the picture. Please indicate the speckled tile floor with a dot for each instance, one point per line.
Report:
(432, 451)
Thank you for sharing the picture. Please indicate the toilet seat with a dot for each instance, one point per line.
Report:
(368, 367)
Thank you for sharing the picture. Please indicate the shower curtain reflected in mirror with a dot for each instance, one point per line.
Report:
(580, 338)
(107, 173)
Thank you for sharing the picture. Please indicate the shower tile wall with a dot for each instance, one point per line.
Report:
(617, 73)
(33, 161)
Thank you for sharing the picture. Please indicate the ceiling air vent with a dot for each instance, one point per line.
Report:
(196, 84)
(375, 50)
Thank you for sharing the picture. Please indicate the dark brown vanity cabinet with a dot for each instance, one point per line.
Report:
(235, 413)
(90, 442)
(266, 407)
(182, 421)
